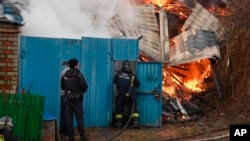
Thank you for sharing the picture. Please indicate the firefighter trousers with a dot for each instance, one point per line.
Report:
(120, 103)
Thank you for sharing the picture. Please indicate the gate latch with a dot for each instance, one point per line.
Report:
(156, 94)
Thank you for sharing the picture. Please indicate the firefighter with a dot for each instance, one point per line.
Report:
(126, 81)
(74, 85)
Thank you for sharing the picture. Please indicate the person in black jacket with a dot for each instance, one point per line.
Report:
(126, 81)
(74, 85)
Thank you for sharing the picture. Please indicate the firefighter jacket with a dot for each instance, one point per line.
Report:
(123, 82)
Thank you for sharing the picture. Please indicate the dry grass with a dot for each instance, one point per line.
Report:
(235, 66)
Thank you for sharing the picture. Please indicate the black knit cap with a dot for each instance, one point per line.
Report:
(72, 62)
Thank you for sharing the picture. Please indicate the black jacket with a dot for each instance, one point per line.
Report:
(74, 81)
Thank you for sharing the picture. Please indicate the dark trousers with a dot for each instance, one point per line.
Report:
(74, 108)
(121, 102)
(63, 129)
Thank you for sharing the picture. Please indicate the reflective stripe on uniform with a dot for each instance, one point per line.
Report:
(132, 80)
(131, 84)
(135, 115)
(118, 116)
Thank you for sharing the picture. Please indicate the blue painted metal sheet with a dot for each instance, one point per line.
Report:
(125, 49)
(41, 65)
(98, 102)
(150, 109)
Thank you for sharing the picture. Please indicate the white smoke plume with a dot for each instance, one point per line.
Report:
(71, 18)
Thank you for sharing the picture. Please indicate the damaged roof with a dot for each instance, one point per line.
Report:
(202, 33)
(200, 37)
(9, 12)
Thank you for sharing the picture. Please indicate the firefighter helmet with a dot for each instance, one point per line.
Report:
(126, 66)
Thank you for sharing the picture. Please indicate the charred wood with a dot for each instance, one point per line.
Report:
(217, 79)
(180, 68)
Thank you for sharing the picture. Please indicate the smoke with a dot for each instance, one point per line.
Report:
(71, 18)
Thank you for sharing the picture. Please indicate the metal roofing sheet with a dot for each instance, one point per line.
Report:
(147, 28)
(193, 45)
(164, 40)
(203, 19)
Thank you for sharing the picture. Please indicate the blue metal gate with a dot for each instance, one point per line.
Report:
(149, 94)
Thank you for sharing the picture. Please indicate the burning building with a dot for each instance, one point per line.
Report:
(185, 36)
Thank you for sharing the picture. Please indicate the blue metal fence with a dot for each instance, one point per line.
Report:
(41, 66)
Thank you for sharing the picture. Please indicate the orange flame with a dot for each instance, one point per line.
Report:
(170, 90)
(158, 2)
(180, 8)
(197, 72)
(219, 11)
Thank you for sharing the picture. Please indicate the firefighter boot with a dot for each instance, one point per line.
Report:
(83, 138)
(136, 123)
(118, 122)
(71, 138)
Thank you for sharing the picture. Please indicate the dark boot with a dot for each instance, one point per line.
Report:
(83, 138)
(118, 122)
(136, 123)
(71, 138)
(136, 126)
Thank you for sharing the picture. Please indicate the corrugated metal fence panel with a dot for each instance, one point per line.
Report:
(40, 67)
(96, 59)
(125, 49)
(150, 109)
